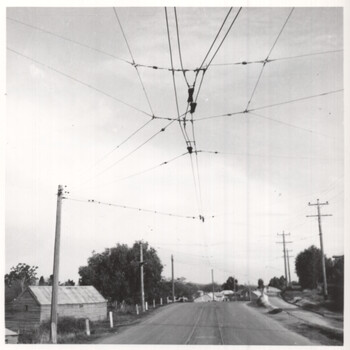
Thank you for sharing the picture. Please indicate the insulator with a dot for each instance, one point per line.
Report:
(189, 149)
(193, 107)
(190, 95)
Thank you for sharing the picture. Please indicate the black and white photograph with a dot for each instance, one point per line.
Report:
(174, 174)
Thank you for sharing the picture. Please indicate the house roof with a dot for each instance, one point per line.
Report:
(67, 295)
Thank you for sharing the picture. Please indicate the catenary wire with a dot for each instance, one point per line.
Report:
(159, 67)
(179, 47)
(218, 48)
(270, 105)
(289, 125)
(129, 207)
(267, 58)
(117, 147)
(133, 61)
(78, 81)
(130, 153)
(69, 40)
(173, 75)
(295, 100)
(142, 171)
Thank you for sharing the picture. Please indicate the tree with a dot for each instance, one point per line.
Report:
(230, 284)
(116, 272)
(68, 283)
(308, 266)
(279, 283)
(42, 281)
(23, 273)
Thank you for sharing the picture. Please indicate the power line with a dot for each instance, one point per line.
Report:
(173, 75)
(78, 81)
(261, 155)
(270, 106)
(276, 59)
(179, 47)
(144, 171)
(267, 58)
(295, 100)
(133, 61)
(218, 48)
(70, 40)
(128, 207)
(218, 33)
(289, 125)
(131, 152)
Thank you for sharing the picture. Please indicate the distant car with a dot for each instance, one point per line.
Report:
(182, 299)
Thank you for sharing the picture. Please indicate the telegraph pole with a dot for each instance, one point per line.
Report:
(172, 278)
(212, 281)
(287, 250)
(284, 253)
(318, 204)
(56, 263)
(141, 272)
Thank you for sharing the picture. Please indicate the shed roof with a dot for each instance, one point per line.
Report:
(67, 295)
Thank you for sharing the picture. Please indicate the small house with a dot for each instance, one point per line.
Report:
(33, 306)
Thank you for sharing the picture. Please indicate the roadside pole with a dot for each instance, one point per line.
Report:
(172, 278)
(141, 272)
(318, 204)
(56, 263)
(212, 281)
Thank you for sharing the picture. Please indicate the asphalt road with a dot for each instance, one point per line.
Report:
(216, 323)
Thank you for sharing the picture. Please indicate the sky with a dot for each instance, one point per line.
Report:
(72, 101)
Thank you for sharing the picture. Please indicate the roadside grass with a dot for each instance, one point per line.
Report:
(72, 331)
(313, 300)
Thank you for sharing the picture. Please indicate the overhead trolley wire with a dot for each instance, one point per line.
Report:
(290, 125)
(118, 146)
(69, 40)
(173, 75)
(295, 100)
(133, 61)
(143, 171)
(78, 81)
(218, 48)
(270, 105)
(131, 208)
(130, 153)
(277, 59)
(179, 47)
(267, 58)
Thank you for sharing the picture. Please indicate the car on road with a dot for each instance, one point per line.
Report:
(181, 300)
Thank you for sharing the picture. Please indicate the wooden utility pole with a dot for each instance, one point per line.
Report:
(318, 204)
(56, 263)
(284, 253)
(172, 278)
(212, 281)
(290, 280)
(141, 272)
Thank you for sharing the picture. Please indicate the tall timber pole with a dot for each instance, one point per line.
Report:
(142, 285)
(56, 263)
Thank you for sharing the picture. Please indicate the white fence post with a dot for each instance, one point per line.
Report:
(146, 306)
(161, 301)
(111, 319)
(154, 304)
(137, 309)
(87, 326)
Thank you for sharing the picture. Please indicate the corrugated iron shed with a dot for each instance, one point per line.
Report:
(67, 295)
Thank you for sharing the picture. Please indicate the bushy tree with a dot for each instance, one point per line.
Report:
(68, 283)
(230, 284)
(308, 267)
(279, 283)
(23, 274)
(116, 272)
